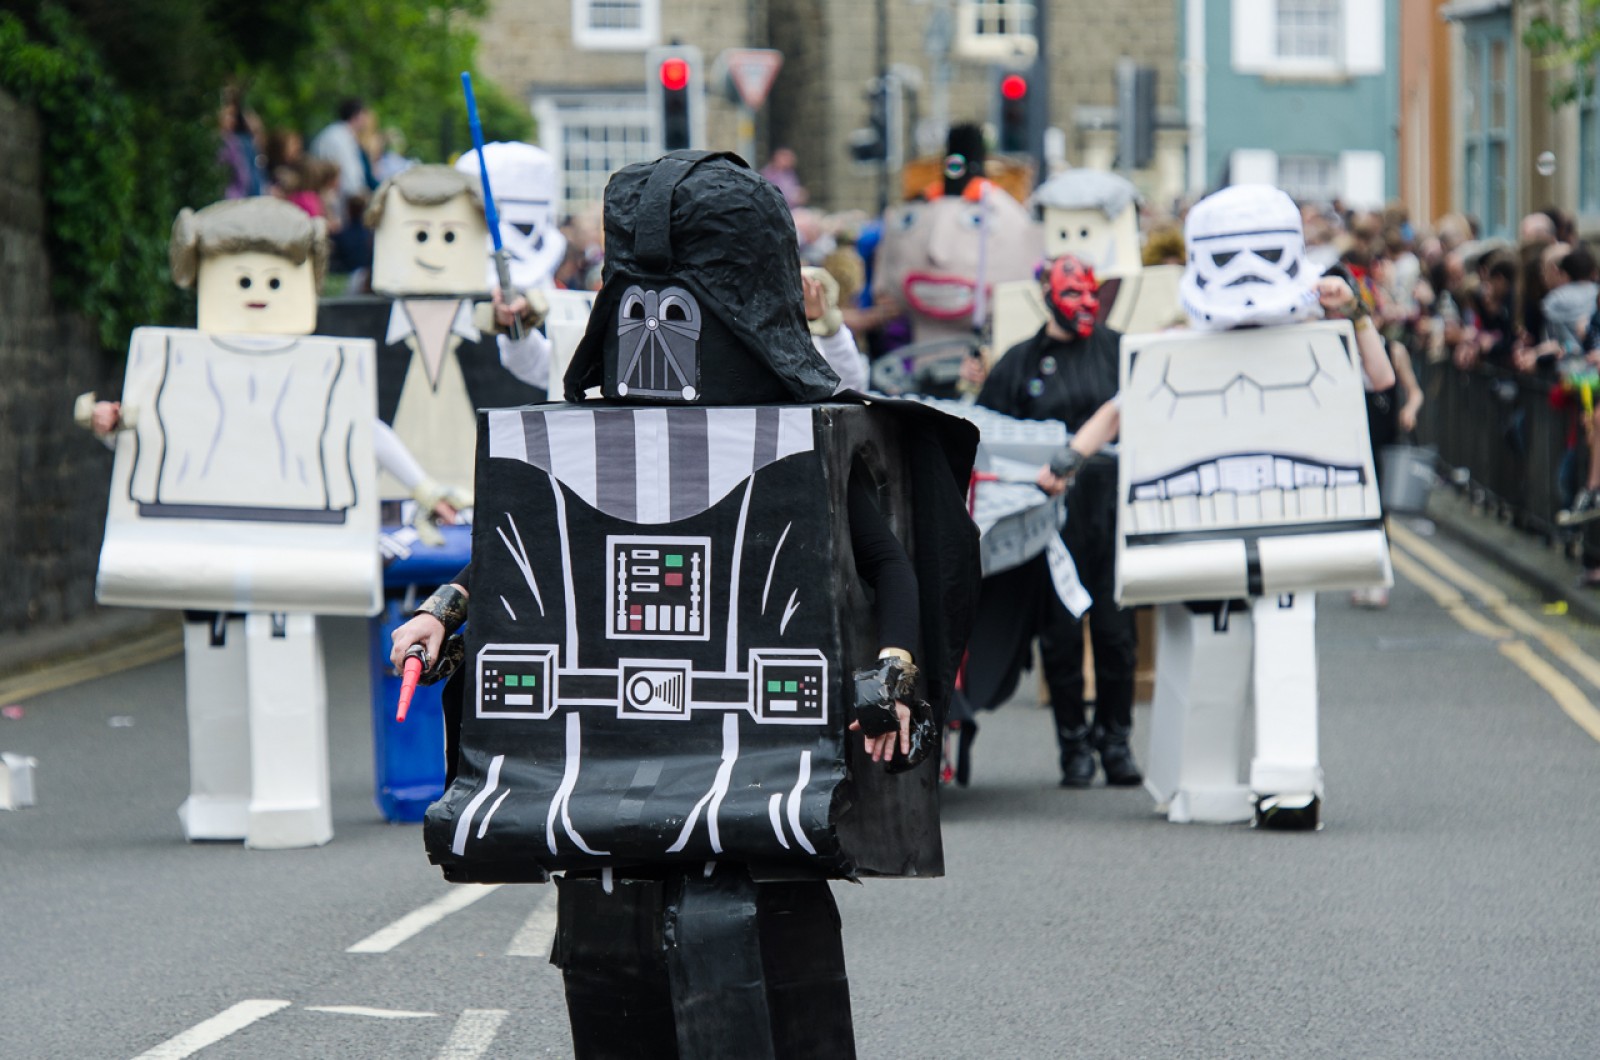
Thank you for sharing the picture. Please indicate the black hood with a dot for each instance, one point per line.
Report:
(701, 300)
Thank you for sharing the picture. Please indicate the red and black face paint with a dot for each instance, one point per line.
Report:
(1072, 294)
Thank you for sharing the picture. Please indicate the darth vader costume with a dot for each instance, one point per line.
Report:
(671, 632)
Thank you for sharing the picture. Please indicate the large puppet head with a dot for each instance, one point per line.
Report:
(1071, 293)
(428, 233)
(930, 254)
(701, 300)
(256, 264)
(1092, 215)
(1246, 261)
(526, 188)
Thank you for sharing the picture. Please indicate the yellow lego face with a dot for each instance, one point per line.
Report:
(255, 293)
(1110, 247)
(429, 249)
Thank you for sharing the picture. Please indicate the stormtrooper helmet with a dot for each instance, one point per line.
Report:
(523, 180)
(1247, 264)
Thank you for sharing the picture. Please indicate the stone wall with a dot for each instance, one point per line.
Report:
(53, 475)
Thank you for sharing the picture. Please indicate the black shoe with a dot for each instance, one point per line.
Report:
(1077, 758)
(1288, 813)
(1116, 758)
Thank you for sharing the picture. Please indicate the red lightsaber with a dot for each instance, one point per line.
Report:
(411, 671)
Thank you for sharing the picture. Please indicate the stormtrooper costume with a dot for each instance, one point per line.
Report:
(1246, 484)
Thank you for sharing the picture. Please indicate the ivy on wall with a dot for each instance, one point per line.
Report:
(115, 174)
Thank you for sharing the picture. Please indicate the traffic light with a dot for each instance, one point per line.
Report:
(676, 86)
(1015, 111)
(871, 143)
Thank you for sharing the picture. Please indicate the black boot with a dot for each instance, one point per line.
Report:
(1116, 758)
(1077, 757)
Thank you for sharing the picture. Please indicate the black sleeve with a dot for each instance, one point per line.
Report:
(883, 563)
(1000, 390)
(463, 578)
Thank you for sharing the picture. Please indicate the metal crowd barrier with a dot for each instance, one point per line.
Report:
(1498, 437)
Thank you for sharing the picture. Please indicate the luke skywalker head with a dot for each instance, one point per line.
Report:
(1092, 215)
(256, 265)
(429, 233)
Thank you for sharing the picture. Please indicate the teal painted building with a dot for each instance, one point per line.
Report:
(1303, 94)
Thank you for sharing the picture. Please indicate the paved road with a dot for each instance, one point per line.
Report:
(1449, 908)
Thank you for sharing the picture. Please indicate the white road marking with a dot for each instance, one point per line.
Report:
(473, 1034)
(213, 1030)
(377, 1013)
(414, 923)
(533, 938)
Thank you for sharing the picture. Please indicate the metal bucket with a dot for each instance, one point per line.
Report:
(1408, 477)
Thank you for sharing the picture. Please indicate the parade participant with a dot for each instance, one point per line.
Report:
(1064, 372)
(829, 333)
(243, 491)
(666, 604)
(436, 364)
(1246, 484)
(1093, 216)
(940, 257)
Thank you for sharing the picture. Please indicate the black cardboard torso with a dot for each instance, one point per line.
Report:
(691, 718)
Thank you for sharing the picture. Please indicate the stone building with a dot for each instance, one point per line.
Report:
(581, 66)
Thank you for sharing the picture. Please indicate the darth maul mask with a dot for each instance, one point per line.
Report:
(1072, 295)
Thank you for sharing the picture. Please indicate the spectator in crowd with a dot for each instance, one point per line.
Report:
(1488, 323)
(389, 154)
(239, 153)
(340, 143)
(781, 169)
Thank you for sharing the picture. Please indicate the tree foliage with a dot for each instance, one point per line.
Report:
(127, 92)
(1566, 39)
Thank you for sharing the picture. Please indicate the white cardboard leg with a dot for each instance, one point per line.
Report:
(219, 733)
(1199, 716)
(1286, 761)
(289, 804)
(16, 781)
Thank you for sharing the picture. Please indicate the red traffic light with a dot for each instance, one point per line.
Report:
(674, 74)
(1014, 86)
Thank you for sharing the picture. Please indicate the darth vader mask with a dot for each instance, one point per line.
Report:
(1072, 295)
(1247, 263)
(701, 300)
(658, 344)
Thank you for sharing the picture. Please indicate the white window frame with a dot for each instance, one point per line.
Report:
(621, 111)
(979, 38)
(590, 37)
(1361, 42)
(1332, 185)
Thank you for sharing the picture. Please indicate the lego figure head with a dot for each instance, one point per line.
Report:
(1246, 261)
(1071, 293)
(429, 233)
(523, 181)
(256, 264)
(1093, 216)
(701, 301)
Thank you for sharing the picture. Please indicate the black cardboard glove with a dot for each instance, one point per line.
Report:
(924, 738)
(877, 688)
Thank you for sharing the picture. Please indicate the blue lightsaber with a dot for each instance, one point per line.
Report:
(502, 257)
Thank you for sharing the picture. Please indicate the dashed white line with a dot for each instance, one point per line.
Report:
(533, 938)
(376, 1013)
(213, 1030)
(414, 923)
(473, 1034)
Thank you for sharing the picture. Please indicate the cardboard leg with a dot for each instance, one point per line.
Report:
(289, 799)
(719, 997)
(219, 731)
(802, 954)
(1199, 715)
(612, 958)
(1286, 775)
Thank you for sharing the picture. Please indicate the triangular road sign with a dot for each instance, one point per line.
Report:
(753, 70)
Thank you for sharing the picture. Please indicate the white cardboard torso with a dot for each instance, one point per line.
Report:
(1245, 466)
(246, 479)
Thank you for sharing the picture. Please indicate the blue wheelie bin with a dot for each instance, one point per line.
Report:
(408, 758)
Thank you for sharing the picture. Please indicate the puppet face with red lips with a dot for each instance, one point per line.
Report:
(1073, 295)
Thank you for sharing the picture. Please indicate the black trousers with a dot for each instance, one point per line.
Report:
(1090, 535)
(694, 966)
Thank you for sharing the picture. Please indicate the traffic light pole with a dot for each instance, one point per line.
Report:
(883, 83)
